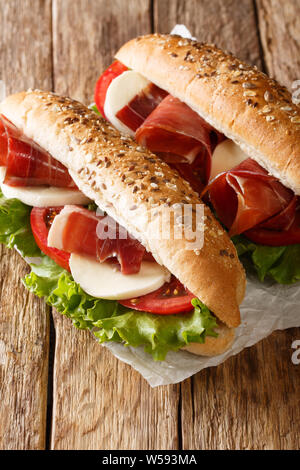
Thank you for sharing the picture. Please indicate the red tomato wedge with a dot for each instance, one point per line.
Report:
(171, 298)
(113, 71)
(41, 219)
(3, 144)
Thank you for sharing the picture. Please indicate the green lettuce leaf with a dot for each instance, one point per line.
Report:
(110, 321)
(107, 319)
(15, 227)
(279, 263)
(94, 108)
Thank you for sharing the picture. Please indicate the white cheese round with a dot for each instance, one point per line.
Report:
(42, 196)
(226, 155)
(119, 93)
(105, 281)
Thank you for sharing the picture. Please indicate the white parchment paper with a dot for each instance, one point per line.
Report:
(266, 307)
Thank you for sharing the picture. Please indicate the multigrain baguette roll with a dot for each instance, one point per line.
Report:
(118, 175)
(235, 98)
(213, 346)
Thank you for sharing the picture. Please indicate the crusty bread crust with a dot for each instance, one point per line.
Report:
(213, 346)
(237, 99)
(118, 175)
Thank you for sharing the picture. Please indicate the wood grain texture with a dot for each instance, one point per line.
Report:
(25, 46)
(86, 34)
(230, 24)
(25, 57)
(251, 401)
(24, 345)
(279, 24)
(100, 402)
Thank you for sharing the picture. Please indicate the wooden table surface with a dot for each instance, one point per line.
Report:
(58, 388)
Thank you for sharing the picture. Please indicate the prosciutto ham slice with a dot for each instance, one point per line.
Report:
(78, 230)
(248, 200)
(182, 138)
(138, 109)
(167, 127)
(26, 164)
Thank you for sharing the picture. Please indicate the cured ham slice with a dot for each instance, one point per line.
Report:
(138, 109)
(265, 236)
(26, 164)
(249, 200)
(163, 124)
(181, 137)
(78, 230)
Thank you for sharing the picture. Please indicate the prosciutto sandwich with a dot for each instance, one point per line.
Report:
(86, 201)
(232, 132)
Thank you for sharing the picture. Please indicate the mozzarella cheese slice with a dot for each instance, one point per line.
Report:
(42, 196)
(119, 93)
(226, 155)
(55, 234)
(105, 281)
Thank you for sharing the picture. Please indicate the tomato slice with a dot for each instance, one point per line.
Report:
(41, 219)
(171, 298)
(113, 71)
(3, 144)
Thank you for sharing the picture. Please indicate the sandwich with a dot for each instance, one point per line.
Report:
(231, 131)
(86, 206)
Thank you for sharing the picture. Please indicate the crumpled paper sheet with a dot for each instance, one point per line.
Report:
(266, 307)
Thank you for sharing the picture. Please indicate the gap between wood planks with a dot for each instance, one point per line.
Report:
(261, 49)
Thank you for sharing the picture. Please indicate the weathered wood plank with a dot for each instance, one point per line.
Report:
(279, 23)
(99, 402)
(86, 34)
(25, 57)
(24, 345)
(25, 47)
(251, 401)
(230, 25)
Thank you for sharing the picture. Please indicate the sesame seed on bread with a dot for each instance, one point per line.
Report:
(116, 173)
(237, 99)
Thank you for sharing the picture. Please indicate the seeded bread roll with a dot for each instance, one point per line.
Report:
(129, 183)
(213, 346)
(244, 104)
